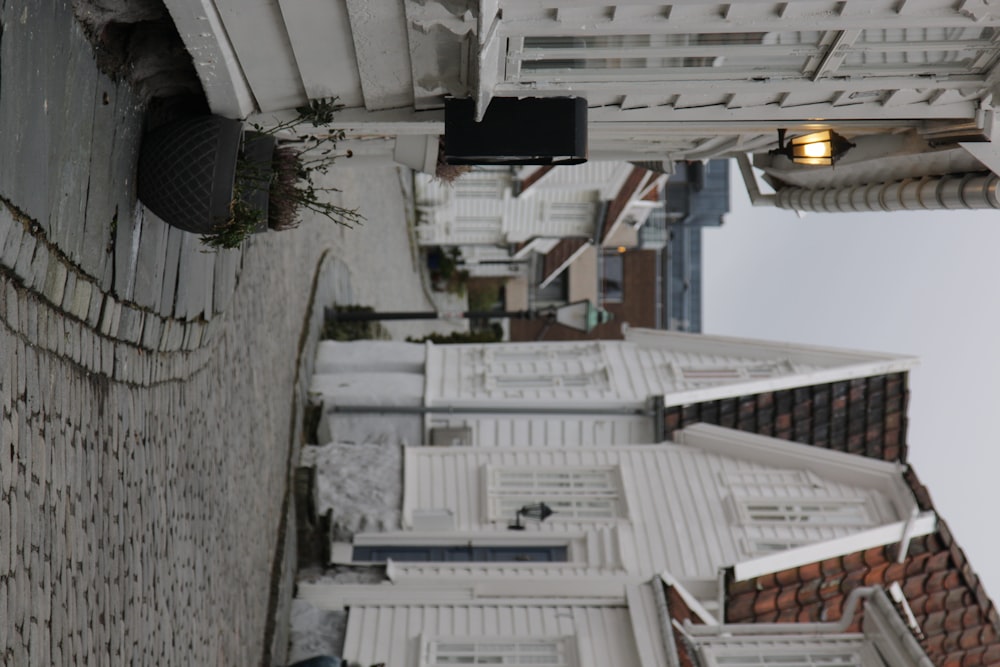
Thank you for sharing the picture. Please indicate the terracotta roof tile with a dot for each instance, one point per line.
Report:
(958, 622)
(536, 176)
(863, 416)
(679, 611)
(617, 205)
(555, 259)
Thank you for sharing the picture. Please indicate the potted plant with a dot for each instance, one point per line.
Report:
(208, 176)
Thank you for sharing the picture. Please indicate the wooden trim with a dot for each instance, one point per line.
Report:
(536, 176)
(890, 533)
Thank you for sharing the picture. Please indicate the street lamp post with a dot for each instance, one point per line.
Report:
(580, 315)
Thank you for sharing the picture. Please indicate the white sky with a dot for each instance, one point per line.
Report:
(915, 283)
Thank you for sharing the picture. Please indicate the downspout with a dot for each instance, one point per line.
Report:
(979, 190)
(850, 609)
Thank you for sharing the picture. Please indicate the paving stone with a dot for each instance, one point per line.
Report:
(151, 262)
(94, 311)
(107, 356)
(12, 244)
(170, 271)
(25, 254)
(155, 509)
(151, 328)
(82, 292)
(39, 268)
(69, 293)
(130, 327)
(110, 313)
(6, 223)
(13, 319)
(55, 282)
(30, 319)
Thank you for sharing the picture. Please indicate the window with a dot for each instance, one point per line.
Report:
(902, 51)
(574, 493)
(612, 277)
(710, 374)
(804, 511)
(764, 480)
(833, 651)
(763, 547)
(528, 367)
(510, 652)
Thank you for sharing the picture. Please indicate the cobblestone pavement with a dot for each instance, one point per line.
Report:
(150, 393)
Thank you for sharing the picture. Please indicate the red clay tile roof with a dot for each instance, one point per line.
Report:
(625, 194)
(536, 176)
(679, 611)
(865, 416)
(562, 251)
(960, 626)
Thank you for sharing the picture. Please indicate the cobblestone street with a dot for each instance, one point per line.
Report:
(150, 392)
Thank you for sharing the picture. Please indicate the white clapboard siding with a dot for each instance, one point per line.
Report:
(553, 430)
(646, 623)
(680, 502)
(472, 375)
(600, 634)
(461, 374)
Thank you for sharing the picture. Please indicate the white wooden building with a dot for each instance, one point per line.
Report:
(910, 84)
(554, 393)
(533, 226)
(661, 552)
(582, 587)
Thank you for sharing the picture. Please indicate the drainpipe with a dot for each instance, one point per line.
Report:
(979, 190)
(850, 609)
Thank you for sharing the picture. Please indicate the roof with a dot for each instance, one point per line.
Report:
(865, 416)
(958, 622)
(562, 254)
(628, 191)
(959, 625)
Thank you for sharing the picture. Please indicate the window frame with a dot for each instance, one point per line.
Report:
(765, 652)
(501, 505)
(609, 296)
(796, 511)
(564, 645)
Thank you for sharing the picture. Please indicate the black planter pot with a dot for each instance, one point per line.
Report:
(188, 169)
(254, 178)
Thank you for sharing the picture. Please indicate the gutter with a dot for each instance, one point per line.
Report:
(851, 604)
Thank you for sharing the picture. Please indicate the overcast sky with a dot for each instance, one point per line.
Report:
(917, 283)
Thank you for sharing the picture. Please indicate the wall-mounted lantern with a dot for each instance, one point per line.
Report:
(535, 511)
(822, 148)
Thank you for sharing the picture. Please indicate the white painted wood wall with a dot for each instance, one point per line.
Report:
(680, 508)
(479, 207)
(623, 373)
(555, 430)
(601, 634)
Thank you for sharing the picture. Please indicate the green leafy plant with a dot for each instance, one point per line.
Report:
(446, 274)
(244, 219)
(348, 330)
(492, 334)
